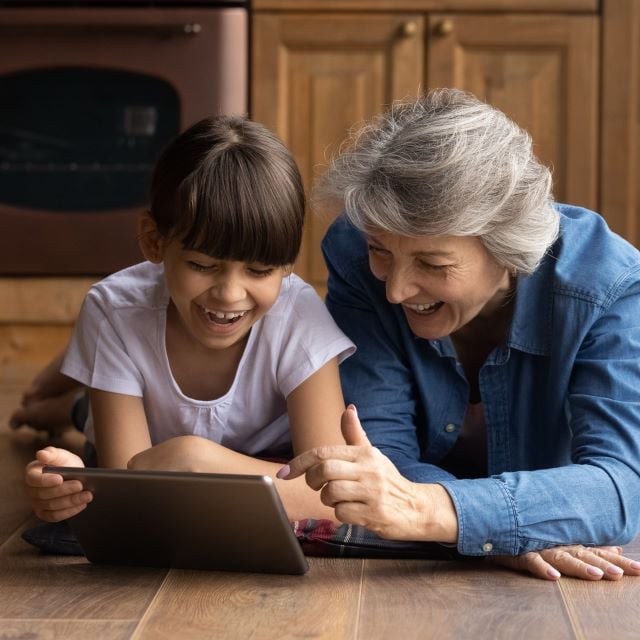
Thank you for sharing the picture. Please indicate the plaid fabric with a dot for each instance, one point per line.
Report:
(326, 538)
(317, 538)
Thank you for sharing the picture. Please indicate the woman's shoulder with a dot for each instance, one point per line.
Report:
(589, 258)
(344, 246)
(141, 285)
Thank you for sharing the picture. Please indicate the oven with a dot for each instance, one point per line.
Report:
(88, 98)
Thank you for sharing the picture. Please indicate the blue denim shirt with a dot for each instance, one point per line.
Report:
(561, 395)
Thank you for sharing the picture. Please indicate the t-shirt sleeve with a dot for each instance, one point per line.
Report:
(97, 355)
(310, 339)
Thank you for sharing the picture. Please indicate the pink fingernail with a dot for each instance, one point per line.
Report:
(553, 573)
(284, 472)
(635, 565)
(613, 570)
(594, 571)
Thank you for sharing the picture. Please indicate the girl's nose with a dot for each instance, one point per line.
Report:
(229, 288)
(399, 286)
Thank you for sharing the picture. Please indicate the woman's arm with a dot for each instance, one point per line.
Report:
(594, 500)
(365, 489)
(314, 408)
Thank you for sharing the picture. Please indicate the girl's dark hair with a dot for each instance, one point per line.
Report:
(229, 188)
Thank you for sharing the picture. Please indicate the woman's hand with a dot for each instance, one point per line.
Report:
(577, 561)
(365, 488)
(52, 497)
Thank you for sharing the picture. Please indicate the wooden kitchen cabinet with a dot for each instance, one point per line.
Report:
(542, 71)
(316, 74)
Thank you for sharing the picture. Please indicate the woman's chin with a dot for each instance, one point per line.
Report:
(431, 326)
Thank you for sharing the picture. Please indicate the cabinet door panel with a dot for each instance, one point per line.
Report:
(540, 70)
(316, 76)
(620, 168)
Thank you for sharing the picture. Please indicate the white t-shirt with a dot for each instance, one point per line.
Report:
(118, 345)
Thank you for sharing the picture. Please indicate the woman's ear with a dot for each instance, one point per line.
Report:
(149, 238)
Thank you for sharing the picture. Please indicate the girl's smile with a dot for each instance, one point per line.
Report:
(223, 322)
(214, 302)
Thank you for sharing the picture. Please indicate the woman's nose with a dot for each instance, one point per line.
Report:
(399, 286)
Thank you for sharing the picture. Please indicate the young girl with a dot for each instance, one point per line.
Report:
(210, 356)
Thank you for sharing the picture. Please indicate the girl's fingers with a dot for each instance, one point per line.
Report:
(63, 514)
(57, 509)
(59, 491)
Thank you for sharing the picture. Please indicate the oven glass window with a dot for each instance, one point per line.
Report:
(79, 139)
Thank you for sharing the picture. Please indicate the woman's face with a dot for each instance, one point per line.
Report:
(442, 282)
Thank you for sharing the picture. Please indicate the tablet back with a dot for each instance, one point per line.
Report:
(184, 520)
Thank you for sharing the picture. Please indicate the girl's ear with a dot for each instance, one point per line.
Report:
(149, 238)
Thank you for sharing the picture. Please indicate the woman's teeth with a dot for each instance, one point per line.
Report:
(424, 308)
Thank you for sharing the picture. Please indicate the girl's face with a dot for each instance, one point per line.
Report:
(442, 282)
(217, 301)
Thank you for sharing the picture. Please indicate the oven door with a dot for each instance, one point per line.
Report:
(88, 98)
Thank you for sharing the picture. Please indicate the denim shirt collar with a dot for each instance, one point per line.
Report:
(531, 326)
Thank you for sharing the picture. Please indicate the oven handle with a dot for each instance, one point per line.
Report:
(177, 29)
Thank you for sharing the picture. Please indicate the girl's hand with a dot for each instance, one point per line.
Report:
(577, 561)
(364, 488)
(52, 497)
(182, 453)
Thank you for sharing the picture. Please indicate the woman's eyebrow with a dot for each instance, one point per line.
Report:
(435, 252)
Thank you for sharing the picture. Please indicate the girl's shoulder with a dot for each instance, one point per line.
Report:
(295, 296)
(141, 285)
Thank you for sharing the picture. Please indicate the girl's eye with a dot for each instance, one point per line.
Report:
(261, 273)
(196, 266)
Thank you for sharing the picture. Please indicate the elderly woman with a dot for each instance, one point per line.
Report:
(497, 371)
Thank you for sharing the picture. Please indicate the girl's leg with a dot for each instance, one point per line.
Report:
(48, 402)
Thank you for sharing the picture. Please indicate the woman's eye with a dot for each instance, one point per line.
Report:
(376, 250)
(433, 267)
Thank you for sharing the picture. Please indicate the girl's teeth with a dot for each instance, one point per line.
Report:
(221, 315)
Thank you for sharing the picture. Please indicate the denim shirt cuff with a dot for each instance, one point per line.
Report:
(487, 524)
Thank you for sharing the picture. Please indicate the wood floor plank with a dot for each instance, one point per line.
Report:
(418, 599)
(37, 586)
(67, 629)
(200, 604)
(605, 609)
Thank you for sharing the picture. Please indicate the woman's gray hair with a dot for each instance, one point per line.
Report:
(448, 164)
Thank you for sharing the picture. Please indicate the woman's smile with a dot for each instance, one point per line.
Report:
(423, 309)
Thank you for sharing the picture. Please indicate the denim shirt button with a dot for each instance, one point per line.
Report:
(450, 428)
(487, 547)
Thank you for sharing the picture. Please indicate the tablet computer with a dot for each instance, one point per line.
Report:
(184, 520)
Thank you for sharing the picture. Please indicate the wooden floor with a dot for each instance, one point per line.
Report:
(66, 597)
